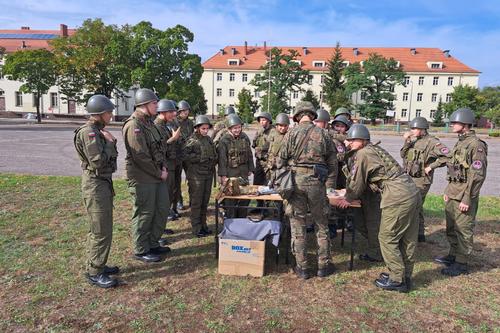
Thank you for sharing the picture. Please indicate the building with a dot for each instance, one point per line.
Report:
(431, 75)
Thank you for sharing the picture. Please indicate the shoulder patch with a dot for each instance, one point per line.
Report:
(445, 150)
(137, 130)
(353, 170)
(340, 148)
(477, 164)
(92, 135)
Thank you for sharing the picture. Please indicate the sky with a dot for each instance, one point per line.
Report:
(469, 29)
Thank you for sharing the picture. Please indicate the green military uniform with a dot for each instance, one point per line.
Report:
(261, 146)
(187, 129)
(98, 162)
(310, 192)
(275, 144)
(417, 154)
(201, 157)
(374, 168)
(235, 160)
(466, 174)
(144, 162)
(340, 151)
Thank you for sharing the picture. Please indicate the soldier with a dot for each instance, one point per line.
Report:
(275, 143)
(309, 152)
(342, 111)
(422, 153)
(400, 198)
(146, 175)
(235, 160)
(466, 174)
(261, 146)
(96, 148)
(322, 119)
(187, 129)
(171, 133)
(200, 157)
(340, 125)
(220, 127)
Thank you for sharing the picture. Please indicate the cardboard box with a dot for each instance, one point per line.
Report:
(241, 257)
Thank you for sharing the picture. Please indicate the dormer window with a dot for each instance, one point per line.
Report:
(297, 62)
(318, 64)
(345, 63)
(434, 65)
(233, 62)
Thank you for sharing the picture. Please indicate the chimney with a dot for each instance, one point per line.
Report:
(221, 51)
(355, 51)
(23, 46)
(63, 29)
(246, 48)
(446, 53)
(304, 49)
(233, 51)
(25, 28)
(413, 51)
(265, 46)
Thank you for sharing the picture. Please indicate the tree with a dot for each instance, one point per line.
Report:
(465, 97)
(311, 97)
(490, 97)
(376, 80)
(334, 85)
(246, 106)
(283, 74)
(438, 116)
(36, 69)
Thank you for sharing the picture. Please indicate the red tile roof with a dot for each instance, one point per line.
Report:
(255, 57)
(13, 43)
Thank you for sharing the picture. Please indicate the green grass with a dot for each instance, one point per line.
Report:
(42, 258)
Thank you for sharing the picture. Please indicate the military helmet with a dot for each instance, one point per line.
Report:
(233, 120)
(462, 115)
(282, 119)
(98, 104)
(229, 110)
(342, 110)
(342, 119)
(166, 105)
(144, 96)
(419, 122)
(323, 115)
(302, 107)
(266, 115)
(201, 120)
(183, 105)
(358, 131)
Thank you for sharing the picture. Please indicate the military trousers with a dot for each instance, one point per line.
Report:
(460, 228)
(260, 177)
(98, 200)
(173, 186)
(367, 222)
(398, 237)
(151, 208)
(424, 189)
(310, 195)
(177, 178)
(199, 194)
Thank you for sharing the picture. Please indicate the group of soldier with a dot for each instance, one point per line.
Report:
(321, 155)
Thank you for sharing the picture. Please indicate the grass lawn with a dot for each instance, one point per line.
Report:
(43, 230)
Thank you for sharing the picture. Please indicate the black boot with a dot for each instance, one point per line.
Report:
(160, 250)
(102, 280)
(147, 257)
(391, 285)
(326, 271)
(446, 260)
(366, 257)
(301, 273)
(202, 233)
(110, 270)
(168, 231)
(163, 242)
(455, 269)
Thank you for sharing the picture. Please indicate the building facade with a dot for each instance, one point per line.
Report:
(431, 75)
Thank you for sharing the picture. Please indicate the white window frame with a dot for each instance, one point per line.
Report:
(232, 76)
(231, 92)
(404, 113)
(434, 97)
(405, 97)
(418, 112)
(420, 80)
(420, 96)
(54, 100)
(233, 62)
(18, 96)
(244, 77)
(219, 92)
(219, 76)
(318, 63)
(450, 80)
(435, 80)
(435, 64)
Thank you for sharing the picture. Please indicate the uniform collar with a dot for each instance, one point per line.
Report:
(97, 124)
(464, 136)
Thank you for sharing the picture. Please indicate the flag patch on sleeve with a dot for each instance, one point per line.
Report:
(477, 164)
(445, 150)
(137, 130)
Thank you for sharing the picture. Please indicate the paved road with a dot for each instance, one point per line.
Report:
(48, 150)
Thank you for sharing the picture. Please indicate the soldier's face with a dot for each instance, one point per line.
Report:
(170, 115)
(340, 127)
(282, 128)
(235, 130)
(355, 144)
(106, 117)
(264, 122)
(151, 107)
(320, 124)
(417, 132)
(203, 129)
(457, 127)
(183, 114)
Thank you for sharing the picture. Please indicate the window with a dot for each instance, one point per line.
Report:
(407, 80)
(256, 94)
(219, 76)
(434, 97)
(232, 76)
(233, 62)
(420, 80)
(450, 80)
(435, 66)
(53, 100)
(231, 92)
(2, 92)
(219, 92)
(405, 97)
(34, 99)
(419, 97)
(448, 98)
(345, 63)
(322, 79)
(218, 107)
(391, 88)
(433, 113)
(295, 94)
(404, 113)
(318, 64)
(19, 98)
(435, 80)
(363, 95)
(244, 77)
(418, 112)
(309, 79)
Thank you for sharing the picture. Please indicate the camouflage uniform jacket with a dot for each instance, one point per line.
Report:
(187, 129)
(145, 150)
(467, 168)
(235, 156)
(261, 143)
(219, 126)
(200, 156)
(167, 130)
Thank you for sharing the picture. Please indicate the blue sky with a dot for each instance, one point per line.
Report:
(470, 29)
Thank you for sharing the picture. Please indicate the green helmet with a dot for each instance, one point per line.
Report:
(358, 131)
(166, 105)
(419, 122)
(342, 119)
(282, 119)
(462, 115)
(266, 115)
(323, 115)
(98, 104)
(201, 120)
(229, 110)
(183, 105)
(302, 107)
(144, 96)
(233, 120)
(342, 110)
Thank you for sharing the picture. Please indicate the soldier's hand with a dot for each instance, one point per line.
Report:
(108, 136)
(164, 174)
(428, 170)
(407, 136)
(223, 180)
(445, 198)
(177, 134)
(343, 203)
(463, 207)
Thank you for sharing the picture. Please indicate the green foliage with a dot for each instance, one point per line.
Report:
(438, 116)
(220, 111)
(246, 106)
(311, 97)
(465, 97)
(334, 85)
(490, 97)
(375, 79)
(276, 105)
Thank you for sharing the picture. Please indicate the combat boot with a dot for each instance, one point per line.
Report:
(147, 257)
(168, 231)
(326, 271)
(110, 270)
(301, 273)
(163, 242)
(391, 285)
(446, 260)
(385, 276)
(102, 280)
(160, 250)
(455, 269)
(366, 257)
